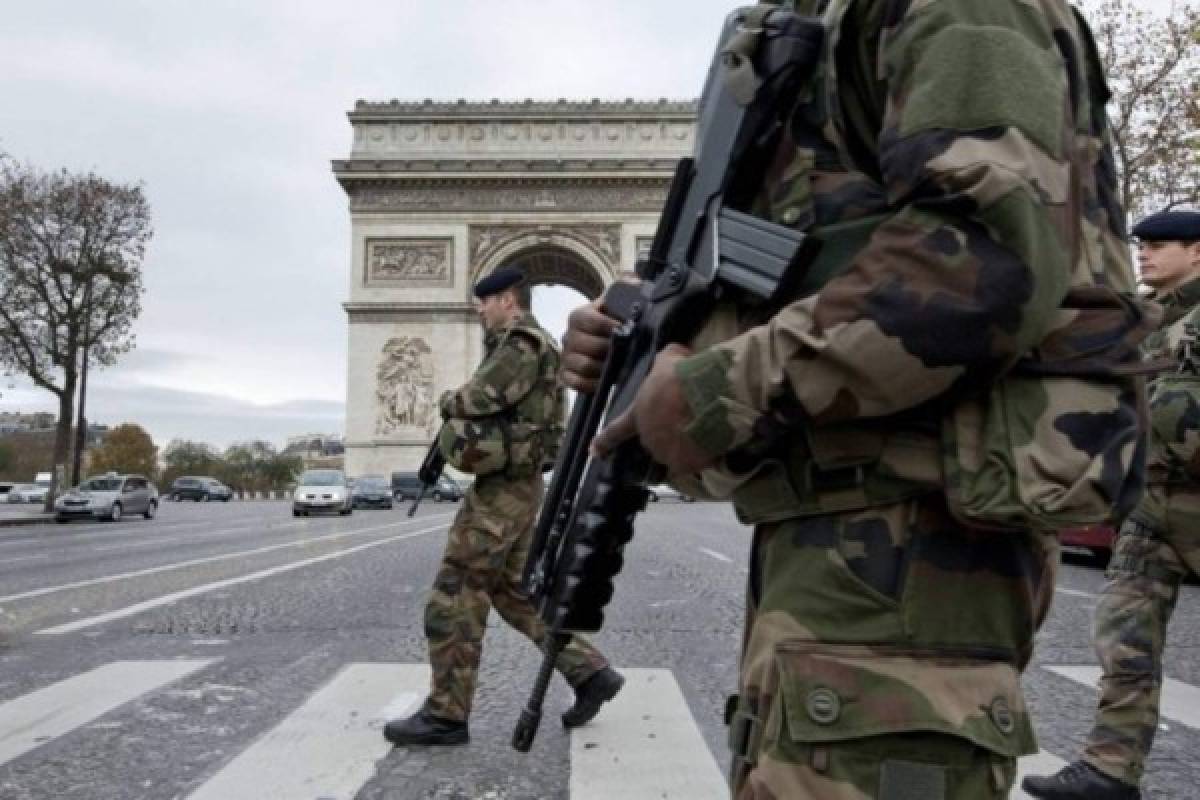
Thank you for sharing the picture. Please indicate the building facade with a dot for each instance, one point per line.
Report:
(440, 194)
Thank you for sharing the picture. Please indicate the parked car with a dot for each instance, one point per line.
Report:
(199, 489)
(405, 486)
(1097, 538)
(5, 488)
(661, 491)
(108, 497)
(322, 490)
(27, 493)
(371, 491)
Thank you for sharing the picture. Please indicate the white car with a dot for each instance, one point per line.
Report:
(661, 491)
(27, 493)
(108, 497)
(322, 490)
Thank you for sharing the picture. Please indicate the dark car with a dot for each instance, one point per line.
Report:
(199, 489)
(406, 486)
(371, 491)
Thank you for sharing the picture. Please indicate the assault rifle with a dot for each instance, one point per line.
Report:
(704, 249)
(430, 472)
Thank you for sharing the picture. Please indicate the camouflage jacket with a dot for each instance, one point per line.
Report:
(1175, 395)
(958, 155)
(517, 381)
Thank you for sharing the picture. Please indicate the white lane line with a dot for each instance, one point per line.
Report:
(716, 555)
(38, 717)
(206, 560)
(328, 747)
(644, 743)
(167, 599)
(23, 558)
(1042, 763)
(1077, 593)
(1180, 701)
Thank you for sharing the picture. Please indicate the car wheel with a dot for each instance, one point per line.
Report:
(683, 498)
(225, 499)
(61, 520)
(151, 510)
(653, 497)
(437, 496)
(114, 513)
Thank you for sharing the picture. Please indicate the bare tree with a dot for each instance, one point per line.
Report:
(1153, 68)
(71, 248)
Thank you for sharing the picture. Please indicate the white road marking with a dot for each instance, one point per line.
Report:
(138, 608)
(35, 718)
(1076, 593)
(1042, 763)
(716, 555)
(644, 744)
(26, 558)
(206, 560)
(328, 747)
(1180, 701)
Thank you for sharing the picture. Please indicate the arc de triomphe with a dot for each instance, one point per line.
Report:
(441, 194)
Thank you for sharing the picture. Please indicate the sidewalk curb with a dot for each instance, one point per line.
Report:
(18, 522)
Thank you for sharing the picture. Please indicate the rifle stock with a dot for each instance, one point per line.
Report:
(429, 472)
(704, 248)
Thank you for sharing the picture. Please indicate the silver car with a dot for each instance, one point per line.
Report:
(108, 497)
(27, 493)
(322, 490)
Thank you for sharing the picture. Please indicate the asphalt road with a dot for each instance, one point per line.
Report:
(230, 650)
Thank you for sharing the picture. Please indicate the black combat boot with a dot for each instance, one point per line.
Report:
(1079, 781)
(590, 695)
(425, 728)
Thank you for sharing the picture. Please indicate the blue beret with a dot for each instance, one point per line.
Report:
(501, 278)
(1169, 226)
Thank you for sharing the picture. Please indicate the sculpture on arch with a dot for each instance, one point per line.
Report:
(404, 387)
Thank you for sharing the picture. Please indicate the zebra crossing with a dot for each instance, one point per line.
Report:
(329, 746)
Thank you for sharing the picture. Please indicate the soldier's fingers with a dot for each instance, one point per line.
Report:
(621, 429)
(580, 366)
(585, 344)
(573, 380)
(589, 319)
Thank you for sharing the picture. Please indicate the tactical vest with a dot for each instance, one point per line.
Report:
(1175, 395)
(519, 441)
(984, 449)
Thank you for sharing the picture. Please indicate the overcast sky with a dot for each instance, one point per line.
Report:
(229, 111)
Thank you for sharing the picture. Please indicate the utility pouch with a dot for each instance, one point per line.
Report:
(1057, 441)
(478, 446)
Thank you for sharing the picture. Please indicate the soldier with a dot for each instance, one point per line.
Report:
(488, 542)
(953, 157)
(1158, 546)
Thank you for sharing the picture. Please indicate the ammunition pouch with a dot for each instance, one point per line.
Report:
(487, 445)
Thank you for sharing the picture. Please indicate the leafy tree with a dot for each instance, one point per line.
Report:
(71, 248)
(6, 458)
(31, 451)
(182, 457)
(1153, 67)
(126, 448)
(257, 466)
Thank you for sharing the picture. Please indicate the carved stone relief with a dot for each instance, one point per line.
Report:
(508, 198)
(404, 388)
(484, 240)
(410, 262)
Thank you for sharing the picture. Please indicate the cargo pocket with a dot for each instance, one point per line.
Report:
(899, 722)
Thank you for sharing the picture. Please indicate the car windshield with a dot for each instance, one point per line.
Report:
(187, 482)
(322, 477)
(371, 482)
(101, 485)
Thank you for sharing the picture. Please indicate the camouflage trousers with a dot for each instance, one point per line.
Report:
(1155, 550)
(481, 568)
(882, 656)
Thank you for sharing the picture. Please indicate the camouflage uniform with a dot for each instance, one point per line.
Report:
(954, 158)
(489, 540)
(1155, 550)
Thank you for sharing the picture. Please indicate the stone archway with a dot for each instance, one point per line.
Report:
(440, 195)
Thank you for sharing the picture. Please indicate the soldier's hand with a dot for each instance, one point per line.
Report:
(585, 346)
(658, 418)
